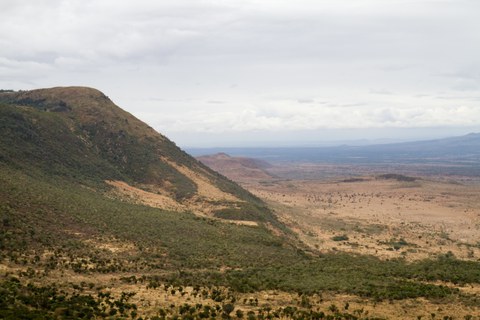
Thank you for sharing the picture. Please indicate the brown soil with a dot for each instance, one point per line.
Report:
(205, 188)
(137, 195)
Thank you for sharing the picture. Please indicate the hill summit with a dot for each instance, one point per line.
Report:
(78, 133)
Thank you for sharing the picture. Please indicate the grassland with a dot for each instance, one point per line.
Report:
(52, 227)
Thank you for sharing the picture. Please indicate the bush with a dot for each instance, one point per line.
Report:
(342, 237)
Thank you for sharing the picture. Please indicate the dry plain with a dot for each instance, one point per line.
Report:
(393, 217)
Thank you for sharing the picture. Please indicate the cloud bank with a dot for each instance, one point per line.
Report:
(239, 66)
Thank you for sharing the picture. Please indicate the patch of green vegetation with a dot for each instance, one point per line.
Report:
(350, 180)
(445, 268)
(342, 225)
(342, 237)
(338, 272)
(398, 177)
(245, 211)
(397, 244)
(28, 301)
(268, 183)
(45, 140)
(20, 301)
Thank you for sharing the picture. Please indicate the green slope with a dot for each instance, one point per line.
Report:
(79, 133)
(41, 212)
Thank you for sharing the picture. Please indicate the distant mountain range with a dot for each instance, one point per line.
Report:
(456, 147)
(456, 155)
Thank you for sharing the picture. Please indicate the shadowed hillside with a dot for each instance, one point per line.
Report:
(80, 133)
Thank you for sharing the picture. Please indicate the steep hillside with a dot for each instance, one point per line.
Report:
(79, 133)
(237, 168)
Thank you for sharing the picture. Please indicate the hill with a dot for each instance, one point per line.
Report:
(237, 168)
(78, 133)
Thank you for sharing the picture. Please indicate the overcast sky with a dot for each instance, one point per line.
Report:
(253, 72)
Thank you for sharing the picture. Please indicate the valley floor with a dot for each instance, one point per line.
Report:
(383, 217)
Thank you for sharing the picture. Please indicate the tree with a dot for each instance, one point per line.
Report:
(228, 308)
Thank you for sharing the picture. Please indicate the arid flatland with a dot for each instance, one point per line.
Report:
(386, 218)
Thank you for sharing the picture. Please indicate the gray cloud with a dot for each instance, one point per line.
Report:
(274, 65)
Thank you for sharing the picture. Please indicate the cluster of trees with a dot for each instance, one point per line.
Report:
(48, 302)
(36, 302)
(29, 301)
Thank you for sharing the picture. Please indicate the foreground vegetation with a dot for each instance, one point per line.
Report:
(49, 225)
(32, 302)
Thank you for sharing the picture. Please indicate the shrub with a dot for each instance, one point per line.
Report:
(342, 237)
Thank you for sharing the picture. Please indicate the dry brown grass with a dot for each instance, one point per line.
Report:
(137, 195)
(205, 187)
(385, 218)
(149, 300)
(201, 205)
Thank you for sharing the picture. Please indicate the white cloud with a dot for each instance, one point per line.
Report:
(373, 63)
(294, 116)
